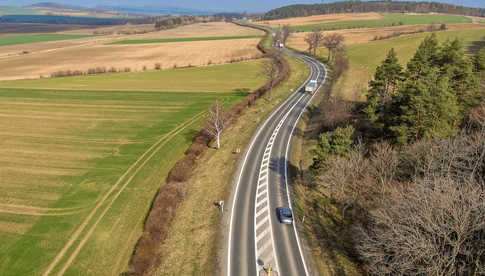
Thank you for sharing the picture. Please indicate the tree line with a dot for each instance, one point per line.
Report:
(161, 22)
(406, 168)
(373, 6)
(172, 22)
(333, 42)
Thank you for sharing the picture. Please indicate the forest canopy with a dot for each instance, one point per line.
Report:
(373, 6)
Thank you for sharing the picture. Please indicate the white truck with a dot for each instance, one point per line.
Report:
(311, 87)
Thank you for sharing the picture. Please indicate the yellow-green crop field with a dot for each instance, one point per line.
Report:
(79, 166)
(365, 57)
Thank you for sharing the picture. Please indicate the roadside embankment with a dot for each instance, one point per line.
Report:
(171, 224)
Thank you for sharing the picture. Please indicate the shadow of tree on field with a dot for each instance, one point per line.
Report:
(190, 135)
(476, 46)
(242, 91)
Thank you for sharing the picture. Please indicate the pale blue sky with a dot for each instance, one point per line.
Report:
(218, 5)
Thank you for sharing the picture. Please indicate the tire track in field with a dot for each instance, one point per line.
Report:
(37, 214)
(35, 208)
(151, 151)
(43, 211)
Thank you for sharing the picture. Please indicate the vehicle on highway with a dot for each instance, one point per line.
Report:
(311, 86)
(285, 215)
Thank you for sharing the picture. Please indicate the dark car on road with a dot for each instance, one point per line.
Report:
(284, 215)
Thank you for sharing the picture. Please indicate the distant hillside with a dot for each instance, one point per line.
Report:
(55, 19)
(15, 10)
(155, 10)
(374, 6)
(57, 6)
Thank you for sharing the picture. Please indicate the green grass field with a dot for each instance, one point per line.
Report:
(79, 169)
(392, 19)
(210, 79)
(184, 39)
(33, 38)
(364, 58)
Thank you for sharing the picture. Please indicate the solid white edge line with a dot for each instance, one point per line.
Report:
(276, 131)
(228, 268)
(286, 167)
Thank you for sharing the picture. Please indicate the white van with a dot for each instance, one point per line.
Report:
(311, 86)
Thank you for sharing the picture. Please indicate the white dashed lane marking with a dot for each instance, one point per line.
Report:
(265, 250)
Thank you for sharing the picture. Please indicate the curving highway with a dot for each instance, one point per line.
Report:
(256, 239)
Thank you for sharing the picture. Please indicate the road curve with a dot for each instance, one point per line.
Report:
(256, 239)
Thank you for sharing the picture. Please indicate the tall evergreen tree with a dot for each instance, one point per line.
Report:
(479, 61)
(427, 56)
(383, 87)
(458, 68)
(430, 99)
(428, 108)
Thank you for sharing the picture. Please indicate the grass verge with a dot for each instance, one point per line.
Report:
(392, 19)
(322, 223)
(33, 38)
(184, 39)
(192, 244)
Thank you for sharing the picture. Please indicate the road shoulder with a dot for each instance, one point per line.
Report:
(195, 243)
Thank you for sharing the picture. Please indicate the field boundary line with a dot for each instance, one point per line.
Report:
(115, 197)
(78, 232)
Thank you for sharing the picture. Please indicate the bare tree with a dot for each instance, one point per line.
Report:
(431, 227)
(285, 33)
(270, 70)
(434, 224)
(217, 121)
(384, 162)
(277, 37)
(314, 41)
(334, 43)
(478, 115)
(345, 178)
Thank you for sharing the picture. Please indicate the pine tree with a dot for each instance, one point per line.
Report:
(430, 99)
(479, 61)
(383, 87)
(426, 57)
(428, 108)
(456, 66)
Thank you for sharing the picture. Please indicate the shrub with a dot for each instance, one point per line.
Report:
(182, 169)
(337, 142)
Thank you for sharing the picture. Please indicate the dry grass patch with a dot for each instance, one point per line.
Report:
(319, 19)
(192, 30)
(17, 228)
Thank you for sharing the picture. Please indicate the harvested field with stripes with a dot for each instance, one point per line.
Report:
(79, 168)
(227, 43)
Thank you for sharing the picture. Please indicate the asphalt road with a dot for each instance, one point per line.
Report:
(256, 238)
